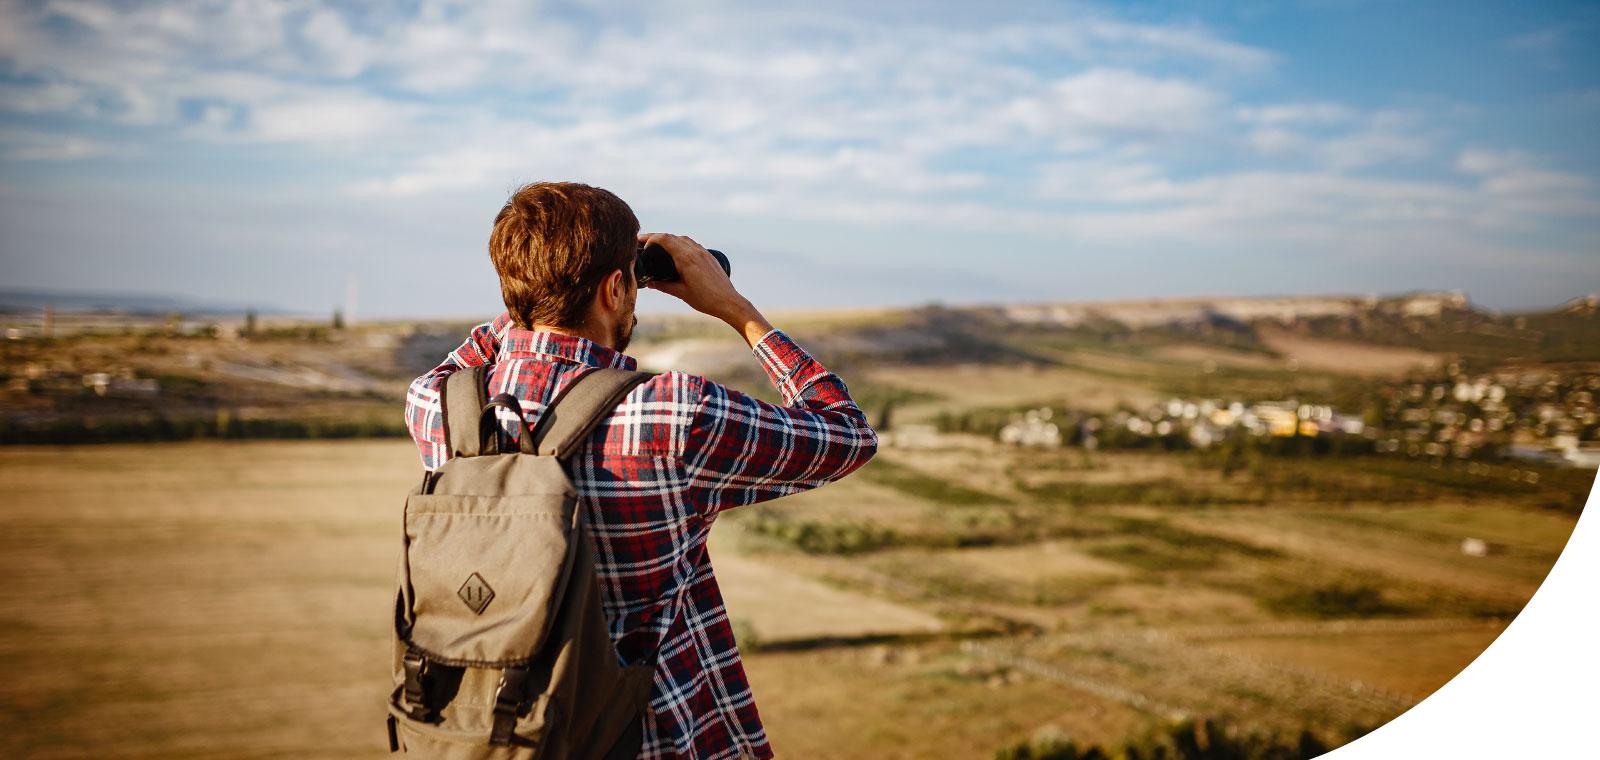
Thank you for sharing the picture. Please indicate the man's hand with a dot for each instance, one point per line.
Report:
(705, 287)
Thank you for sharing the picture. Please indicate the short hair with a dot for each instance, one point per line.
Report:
(552, 244)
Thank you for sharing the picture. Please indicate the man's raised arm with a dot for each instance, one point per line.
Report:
(741, 450)
(423, 414)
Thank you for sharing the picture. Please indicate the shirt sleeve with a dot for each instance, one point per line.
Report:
(741, 450)
(424, 416)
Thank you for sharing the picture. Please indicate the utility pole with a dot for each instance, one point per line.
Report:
(350, 302)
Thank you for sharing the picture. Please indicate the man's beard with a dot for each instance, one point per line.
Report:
(623, 334)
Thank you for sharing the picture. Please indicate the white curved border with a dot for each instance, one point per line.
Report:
(1534, 692)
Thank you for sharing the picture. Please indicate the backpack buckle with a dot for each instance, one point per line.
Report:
(507, 698)
(416, 667)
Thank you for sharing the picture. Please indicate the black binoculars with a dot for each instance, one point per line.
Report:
(654, 264)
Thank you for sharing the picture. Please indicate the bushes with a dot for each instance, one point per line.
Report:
(1153, 557)
(1165, 492)
(914, 483)
(1183, 740)
(1177, 537)
(819, 537)
(159, 427)
(1339, 599)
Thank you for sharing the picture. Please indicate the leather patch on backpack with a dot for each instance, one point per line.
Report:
(476, 593)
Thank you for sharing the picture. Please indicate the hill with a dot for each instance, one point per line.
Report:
(114, 374)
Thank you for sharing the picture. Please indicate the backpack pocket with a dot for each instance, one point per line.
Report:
(483, 576)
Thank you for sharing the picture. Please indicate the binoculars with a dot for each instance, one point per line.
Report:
(654, 264)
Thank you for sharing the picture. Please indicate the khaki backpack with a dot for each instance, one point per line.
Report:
(501, 645)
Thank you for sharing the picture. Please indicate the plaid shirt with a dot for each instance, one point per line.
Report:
(677, 451)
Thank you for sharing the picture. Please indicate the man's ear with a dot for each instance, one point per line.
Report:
(614, 290)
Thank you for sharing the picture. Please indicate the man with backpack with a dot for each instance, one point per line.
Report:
(504, 664)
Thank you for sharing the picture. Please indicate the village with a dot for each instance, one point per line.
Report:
(1537, 415)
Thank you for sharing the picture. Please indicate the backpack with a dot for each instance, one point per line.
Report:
(501, 648)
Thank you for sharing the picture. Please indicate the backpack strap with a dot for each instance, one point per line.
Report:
(461, 401)
(580, 407)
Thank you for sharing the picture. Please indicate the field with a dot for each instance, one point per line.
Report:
(205, 599)
(188, 587)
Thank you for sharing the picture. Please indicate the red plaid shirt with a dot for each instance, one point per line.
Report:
(677, 451)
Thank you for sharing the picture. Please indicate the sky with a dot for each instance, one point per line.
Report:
(284, 153)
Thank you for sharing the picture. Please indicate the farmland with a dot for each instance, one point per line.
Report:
(204, 592)
(185, 599)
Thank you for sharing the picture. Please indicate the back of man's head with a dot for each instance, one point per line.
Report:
(553, 242)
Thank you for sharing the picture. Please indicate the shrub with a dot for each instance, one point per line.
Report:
(814, 537)
(1188, 739)
(914, 483)
(1335, 600)
(157, 427)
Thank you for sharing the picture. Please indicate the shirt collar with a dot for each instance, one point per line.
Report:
(539, 344)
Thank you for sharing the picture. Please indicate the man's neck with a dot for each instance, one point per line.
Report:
(589, 334)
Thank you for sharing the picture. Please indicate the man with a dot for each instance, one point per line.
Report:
(677, 451)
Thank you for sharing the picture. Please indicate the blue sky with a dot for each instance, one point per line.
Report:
(277, 152)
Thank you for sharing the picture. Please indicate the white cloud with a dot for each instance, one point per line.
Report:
(1091, 128)
(1543, 46)
(1297, 114)
(1281, 206)
(1335, 136)
(44, 97)
(1522, 188)
(44, 146)
(1371, 147)
(1102, 101)
(343, 52)
(325, 116)
(765, 70)
(1484, 162)
(1102, 181)
(1194, 42)
(1275, 142)
(96, 16)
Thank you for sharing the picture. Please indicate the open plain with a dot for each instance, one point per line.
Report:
(208, 599)
(193, 590)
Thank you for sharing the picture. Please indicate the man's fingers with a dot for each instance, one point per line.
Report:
(674, 289)
(683, 249)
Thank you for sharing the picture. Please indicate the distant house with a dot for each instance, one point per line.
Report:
(1205, 435)
(1282, 421)
(1578, 453)
(1539, 454)
(912, 437)
(105, 384)
(1034, 429)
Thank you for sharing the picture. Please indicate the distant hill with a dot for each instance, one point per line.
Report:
(1187, 312)
(22, 301)
(208, 370)
(1443, 323)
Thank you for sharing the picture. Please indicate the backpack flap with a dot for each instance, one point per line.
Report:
(487, 556)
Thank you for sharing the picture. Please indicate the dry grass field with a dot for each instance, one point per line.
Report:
(230, 597)
(991, 386)
(197, 600)
(231, 600)
(1347, 356)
